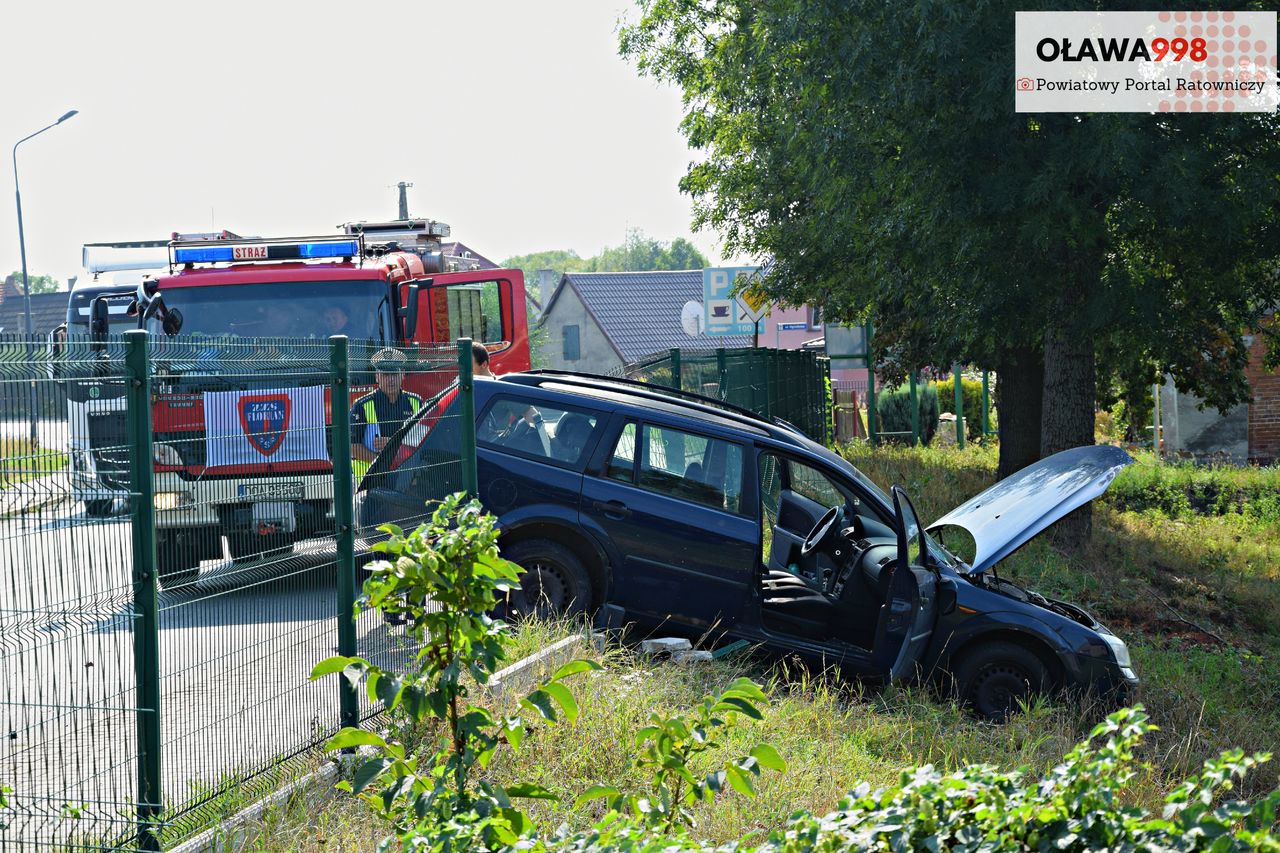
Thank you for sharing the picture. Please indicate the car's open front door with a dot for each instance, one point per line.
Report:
(909, 609)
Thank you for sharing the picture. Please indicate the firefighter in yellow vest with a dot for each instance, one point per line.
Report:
(376, 416)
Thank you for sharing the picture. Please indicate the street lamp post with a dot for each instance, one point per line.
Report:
(22, 248)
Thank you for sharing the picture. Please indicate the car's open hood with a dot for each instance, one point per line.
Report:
(1004, 517)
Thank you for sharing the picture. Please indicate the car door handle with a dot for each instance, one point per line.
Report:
(613, 509)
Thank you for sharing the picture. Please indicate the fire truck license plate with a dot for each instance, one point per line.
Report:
(291, 491)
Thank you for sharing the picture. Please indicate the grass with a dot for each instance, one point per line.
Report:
(1194, 588)
(20, 461)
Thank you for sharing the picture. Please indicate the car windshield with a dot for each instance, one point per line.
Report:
(300, 309)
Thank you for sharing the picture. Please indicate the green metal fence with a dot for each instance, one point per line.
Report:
(158, 622)
(793, 385)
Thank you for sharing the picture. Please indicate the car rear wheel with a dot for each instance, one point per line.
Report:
(996, 677)
(553, 581)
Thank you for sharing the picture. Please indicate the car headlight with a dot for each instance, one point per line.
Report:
(174, 500)
(167, 454)
(1118, 649)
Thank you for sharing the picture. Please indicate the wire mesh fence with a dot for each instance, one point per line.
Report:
(180, 543)
(792, 385)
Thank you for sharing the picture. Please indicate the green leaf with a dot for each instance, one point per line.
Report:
(769, 757)
(574, 667)
(596, 792)
(530, 791)
(741, 706)
(348, 738)
(740, 781)
(338, 663)
(563, 698)
(540, 701)
(369, 771)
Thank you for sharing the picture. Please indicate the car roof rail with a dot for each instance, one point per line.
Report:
(659, 391)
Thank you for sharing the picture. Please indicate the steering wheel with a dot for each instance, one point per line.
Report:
(820, 531)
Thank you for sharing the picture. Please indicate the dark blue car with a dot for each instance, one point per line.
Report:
(677, 512)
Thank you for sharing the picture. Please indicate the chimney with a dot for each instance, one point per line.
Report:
(546, 286)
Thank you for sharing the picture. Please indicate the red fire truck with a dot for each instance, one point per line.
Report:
(241, 438)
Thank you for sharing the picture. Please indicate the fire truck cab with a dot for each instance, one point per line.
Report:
(242, 446)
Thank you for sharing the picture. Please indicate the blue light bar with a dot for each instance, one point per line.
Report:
(237, 252)
(339, 249)
(201, 254)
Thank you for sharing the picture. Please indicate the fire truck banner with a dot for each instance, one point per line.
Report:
(1144, 62)
(251, 427)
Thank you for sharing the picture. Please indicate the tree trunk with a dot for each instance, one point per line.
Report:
(1069, 396)
(1019, 393)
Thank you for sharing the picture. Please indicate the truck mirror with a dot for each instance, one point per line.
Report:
(172, 322)
(410, 315)
(99, 319)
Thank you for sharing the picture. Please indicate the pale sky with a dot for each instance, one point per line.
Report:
(517, 123)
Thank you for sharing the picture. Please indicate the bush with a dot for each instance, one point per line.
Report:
(1078, 805)
(971, 394)
(894, 411)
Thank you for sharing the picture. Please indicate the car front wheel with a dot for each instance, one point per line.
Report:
(997, 677)
(553, 581)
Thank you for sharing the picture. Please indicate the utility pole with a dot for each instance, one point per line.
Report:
(404, 199)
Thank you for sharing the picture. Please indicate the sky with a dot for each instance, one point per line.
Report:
(518, 124)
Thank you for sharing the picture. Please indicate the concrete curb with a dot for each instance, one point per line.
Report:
(520, 674)
(523, 672)
(222, 836)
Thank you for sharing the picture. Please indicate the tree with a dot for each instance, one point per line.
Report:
(39, 283)
(873, 151)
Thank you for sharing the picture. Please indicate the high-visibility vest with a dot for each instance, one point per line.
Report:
(359, 466)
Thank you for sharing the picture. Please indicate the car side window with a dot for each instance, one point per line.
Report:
(691, 467)
(622, 464)
(535, 428)
(814, 485)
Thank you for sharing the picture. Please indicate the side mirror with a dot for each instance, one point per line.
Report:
(99, 323)
(409, 315)
(172, 322)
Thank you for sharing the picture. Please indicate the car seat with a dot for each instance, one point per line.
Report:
(571, 436)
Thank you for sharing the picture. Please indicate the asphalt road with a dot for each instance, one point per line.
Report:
(236, 648)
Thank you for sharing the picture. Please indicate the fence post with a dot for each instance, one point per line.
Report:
(146, 631)
(986, 408)
(466, 394)
(722, 367)
(343, 519)
(955, 370)
(829, 404)
(676, 379)
(872, 434)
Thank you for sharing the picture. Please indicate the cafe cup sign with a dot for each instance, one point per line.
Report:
(732, 300)
(1145, 62)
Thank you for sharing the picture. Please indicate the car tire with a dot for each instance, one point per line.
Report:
(553, 581)
(100, 508)
(252, 548)
(995, 677)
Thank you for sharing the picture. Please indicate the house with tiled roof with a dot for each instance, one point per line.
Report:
(595, 322)
(47, 309)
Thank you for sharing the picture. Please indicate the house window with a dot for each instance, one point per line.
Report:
(815, 317)
(572, 348)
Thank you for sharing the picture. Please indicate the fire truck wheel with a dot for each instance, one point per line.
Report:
(251, 547)
(100, 508)
(178, 555)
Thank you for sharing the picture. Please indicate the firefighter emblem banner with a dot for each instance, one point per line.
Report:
(252, 427)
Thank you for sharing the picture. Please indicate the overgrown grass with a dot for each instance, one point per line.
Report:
(1195, 591)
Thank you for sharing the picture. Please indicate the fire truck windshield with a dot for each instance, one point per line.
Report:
(301, 309)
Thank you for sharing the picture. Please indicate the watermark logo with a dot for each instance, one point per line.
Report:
(1146, 62)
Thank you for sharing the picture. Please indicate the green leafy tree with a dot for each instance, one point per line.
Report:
(444, 579)
(873, 150)
(39, 283)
